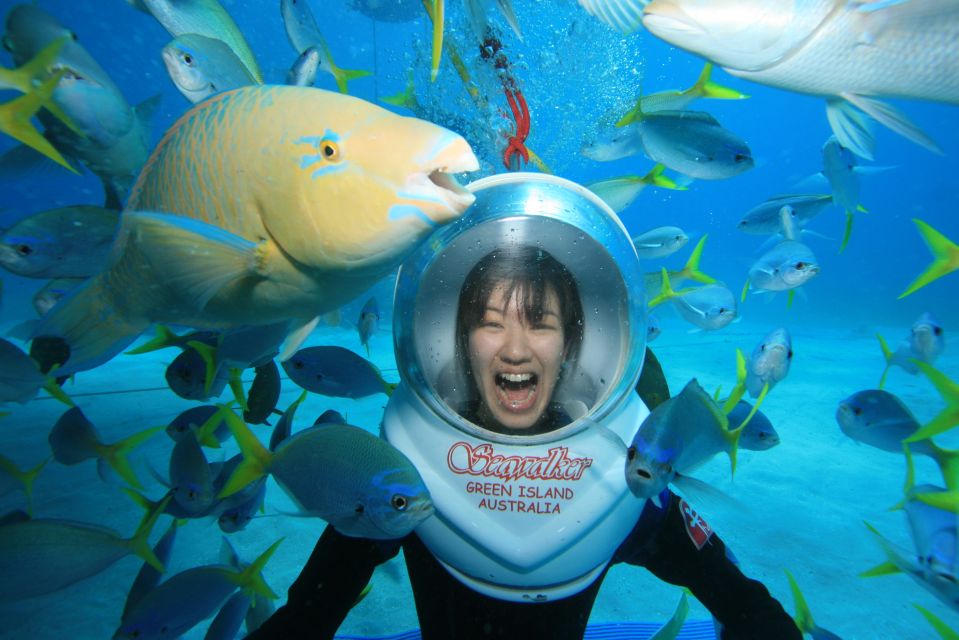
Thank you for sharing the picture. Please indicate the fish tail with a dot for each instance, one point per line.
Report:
(945, 257)
(633, 115)
(164, 338)
(437, 12)
(26, 478)
(655, 177)
(948, 462)
(407, 97)
(208, 354)
(742, 298)
(945, 631)
(944, 500)
(948, 417)
(116, 455)
(706, 88)
(887, 355)
(91, 324)
(893, 560)
(847, 233)
(236, 386)
(15, 120)
(140, 542)
(665, 292)
(51, 386)
(739, 389)
(343, 76)
(251, 579)
(256, 457)
(803, 615)
(204, 433)
(389, 388)
(691, 268)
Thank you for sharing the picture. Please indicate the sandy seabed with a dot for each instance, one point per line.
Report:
(801, 505)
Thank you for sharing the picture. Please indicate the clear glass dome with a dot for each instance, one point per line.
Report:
(578, 229)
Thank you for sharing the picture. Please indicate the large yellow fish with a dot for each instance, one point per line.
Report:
(262, 205)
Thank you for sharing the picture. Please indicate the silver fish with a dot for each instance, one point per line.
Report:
(880, 419)
(303, 72)
(191, 479)
(359, 483)
(303, 33)
(769, 362)
(201, 66)
(614, 144)
(659, 242)
(788, 265)
(764, 218)
(709, 307)
(850, 53)
(368, 323)
(926, 342)
(694, 144)
(759, 434)
(70, 242)
(679, 435)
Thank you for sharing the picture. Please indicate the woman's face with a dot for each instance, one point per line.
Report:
(515, 364)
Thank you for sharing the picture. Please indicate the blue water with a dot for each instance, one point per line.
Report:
(574, 72)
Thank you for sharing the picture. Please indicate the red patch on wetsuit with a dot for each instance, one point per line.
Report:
(697, 529)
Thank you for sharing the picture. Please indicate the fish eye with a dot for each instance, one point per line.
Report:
(740, 157)
(790, 354)
(73, 34)
(937, 331)
(24, 250)
(762, 347)
(359, 509)
(330, 151)
(631, 453)
(800, 266)
(857, 411)
(188, 59)
(399, 502)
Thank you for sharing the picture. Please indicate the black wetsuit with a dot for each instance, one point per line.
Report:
(662, 541)
(340, 567)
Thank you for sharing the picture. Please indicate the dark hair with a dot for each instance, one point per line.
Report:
(530, 273)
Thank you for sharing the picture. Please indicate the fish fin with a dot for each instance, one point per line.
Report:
(892, 118)
(944, 630)
(73, 438)
(407, 97)
(165, 337)
(24, 477)
(205, 432)
(894, 560)
(208, 355)
(251, 581)
(116, 455)
(195, 260)
(948, 417)
(140, 542)
(437, 15)
(656, 177)
(803, 617)
(665, 292)
(691, 269)
(51, 386)
(506, 8)
(739, 389)
(145, 110)
(945, 500)
(15, 120)
(22, 162)
(706, 88)
(389, 387)
(887, 356)
(623, 15)
(256, 457)
(851, 128)
(847, 233)
(945, 257)
(236, 386)
(948, 462)
(342, 76)
(670, 630)
(296, 338)
(91, 324)
(700, 492)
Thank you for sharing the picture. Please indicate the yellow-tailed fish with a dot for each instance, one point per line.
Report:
(262, 205)
(945, 253)
(850, 53)
(105, 133)
(653, 281)
(15, 118)
(53, 554)
(619, 193)
(677, 100)
(303, 33)
(25, 76)
(948, 417)
(206, 18)
(13, 477)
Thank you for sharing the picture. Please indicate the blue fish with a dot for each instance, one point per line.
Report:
(336, 371)
(759, 433)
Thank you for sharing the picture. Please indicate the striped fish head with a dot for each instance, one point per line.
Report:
(371, 184)
(748, 35)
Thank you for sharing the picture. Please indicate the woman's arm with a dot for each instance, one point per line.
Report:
(336, 573)
(683, 550)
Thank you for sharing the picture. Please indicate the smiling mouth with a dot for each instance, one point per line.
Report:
(517, 391)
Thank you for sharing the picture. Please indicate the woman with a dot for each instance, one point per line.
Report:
(519, 327)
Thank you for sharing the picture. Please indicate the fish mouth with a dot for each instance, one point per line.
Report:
(435, 189)
(666, 16)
